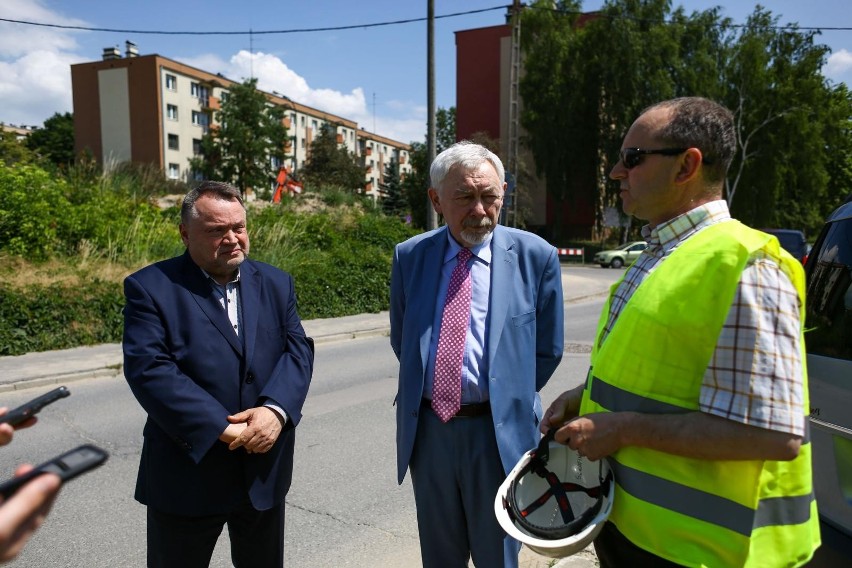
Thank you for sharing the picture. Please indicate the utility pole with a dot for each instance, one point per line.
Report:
(431, 145)
(514, 109)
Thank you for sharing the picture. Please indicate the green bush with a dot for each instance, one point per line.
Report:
(33, 211)
(39, 318)
(339, 256)
(340, 259)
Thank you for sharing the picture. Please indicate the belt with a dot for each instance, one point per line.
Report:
(466, 410)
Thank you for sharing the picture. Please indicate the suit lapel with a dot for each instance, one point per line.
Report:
(432, 258)
(206, 298)
(504, 262)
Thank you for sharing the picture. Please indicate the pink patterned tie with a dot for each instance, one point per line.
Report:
(446, 390)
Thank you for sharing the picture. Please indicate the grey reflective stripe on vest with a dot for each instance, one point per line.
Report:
(616, 399)
(684, 500)
(783, 511)
(708, 507)
(687, 500)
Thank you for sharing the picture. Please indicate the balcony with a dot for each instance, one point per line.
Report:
(211, 103)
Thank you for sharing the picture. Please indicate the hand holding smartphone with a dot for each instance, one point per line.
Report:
(29, 409)
(67, 466)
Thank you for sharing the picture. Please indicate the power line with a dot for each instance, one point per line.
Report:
(250, 32)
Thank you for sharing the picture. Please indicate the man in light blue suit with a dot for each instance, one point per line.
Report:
(512, 343)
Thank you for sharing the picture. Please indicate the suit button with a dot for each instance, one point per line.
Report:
(249, 379)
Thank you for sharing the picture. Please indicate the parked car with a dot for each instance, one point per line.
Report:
(617, 258)
(828, 342)
(792, 240)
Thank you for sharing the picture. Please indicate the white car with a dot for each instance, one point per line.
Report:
(624, 254)
(828, 342)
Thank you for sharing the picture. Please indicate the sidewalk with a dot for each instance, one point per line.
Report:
(49, 368)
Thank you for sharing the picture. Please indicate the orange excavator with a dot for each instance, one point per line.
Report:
(285, 183)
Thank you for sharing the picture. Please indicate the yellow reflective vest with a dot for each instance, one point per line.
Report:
(691, 511)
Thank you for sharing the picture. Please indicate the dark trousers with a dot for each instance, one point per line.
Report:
(614, 550)
(176, 541)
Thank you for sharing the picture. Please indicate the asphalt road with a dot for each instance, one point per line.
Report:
(345, 507)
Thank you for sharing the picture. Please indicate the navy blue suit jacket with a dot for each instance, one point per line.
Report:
(524, 337)
(189, 370)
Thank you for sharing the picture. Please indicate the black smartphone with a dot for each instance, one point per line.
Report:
(31, 408)
(67, 466)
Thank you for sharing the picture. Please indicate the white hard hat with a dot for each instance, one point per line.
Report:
(554, 500)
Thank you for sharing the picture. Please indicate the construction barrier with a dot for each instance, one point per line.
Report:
(572, 252)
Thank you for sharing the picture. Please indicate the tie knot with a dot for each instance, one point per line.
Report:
(464, 255)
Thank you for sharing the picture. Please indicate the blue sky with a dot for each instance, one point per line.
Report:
(374, 75)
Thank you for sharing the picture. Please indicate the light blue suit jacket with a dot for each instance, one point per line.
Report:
(524, 338)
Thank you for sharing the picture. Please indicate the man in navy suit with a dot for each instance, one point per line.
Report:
(512, 343)
(215, 353)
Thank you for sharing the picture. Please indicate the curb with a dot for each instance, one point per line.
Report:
(110, 371)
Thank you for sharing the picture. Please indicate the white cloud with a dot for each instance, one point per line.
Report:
(839, 66)
(404, 122)
(35, 76)
(18, 39)
(35, 73)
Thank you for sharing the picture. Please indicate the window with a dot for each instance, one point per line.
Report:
(829, 305)
(303, 143)
(314, 124)
(171, 82)
(174, 143)
(174, 171)
(200, 119)
(199, 91)
(196, 146)
(172, 112)
(303, 122)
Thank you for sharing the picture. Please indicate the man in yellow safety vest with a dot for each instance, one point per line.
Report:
(697, 392)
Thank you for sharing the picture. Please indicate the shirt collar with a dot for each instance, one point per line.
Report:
(673, 231)
(481, 251)
(233, 280)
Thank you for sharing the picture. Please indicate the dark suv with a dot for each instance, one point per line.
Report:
(793, 241)
(828, 341)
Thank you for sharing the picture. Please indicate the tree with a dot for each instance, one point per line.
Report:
(247, 139)
(329, 163)
(54, 142)
(445, 128)
(780, 174)
(393, 201)
(13, 151)
(416, 183)
(583, 85)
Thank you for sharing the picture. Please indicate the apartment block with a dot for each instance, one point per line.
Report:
(152, 109)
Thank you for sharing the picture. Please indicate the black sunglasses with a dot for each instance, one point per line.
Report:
(632, 157)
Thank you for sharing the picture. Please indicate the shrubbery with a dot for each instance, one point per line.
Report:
(100, 228)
